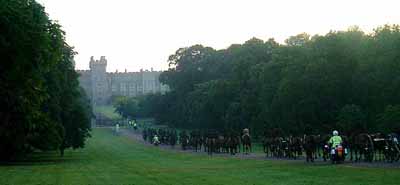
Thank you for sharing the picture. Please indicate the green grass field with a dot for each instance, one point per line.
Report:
(111, 159)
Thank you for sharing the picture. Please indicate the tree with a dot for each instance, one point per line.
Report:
(341, 80)
(390, 119)
(38, 84)
(298, 40)
(25, 45)
(351, 119)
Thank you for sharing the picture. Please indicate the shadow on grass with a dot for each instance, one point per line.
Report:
(45, 158)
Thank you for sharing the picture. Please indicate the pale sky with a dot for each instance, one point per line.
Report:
(135, 34)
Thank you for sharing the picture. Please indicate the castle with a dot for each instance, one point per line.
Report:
(100, 85)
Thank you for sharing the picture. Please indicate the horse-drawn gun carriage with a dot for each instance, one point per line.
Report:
(392, 149)
(378, 147)
(358, 147)
(386, 147)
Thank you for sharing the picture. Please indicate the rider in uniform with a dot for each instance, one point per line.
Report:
(155, 140)
(335, 140)
(246, 132)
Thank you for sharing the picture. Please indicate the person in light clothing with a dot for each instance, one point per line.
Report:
(335, 140)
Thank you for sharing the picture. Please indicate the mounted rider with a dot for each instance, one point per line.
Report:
(246, 141)
(338, 152)
(335, 140)
(246, 132)
(156, 141)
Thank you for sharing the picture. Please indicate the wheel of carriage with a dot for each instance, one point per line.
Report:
(391, 149)
(363, 147)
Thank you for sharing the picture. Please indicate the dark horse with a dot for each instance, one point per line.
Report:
(295, 150)
(233, 144)
(392, 151)
(267, 144)
(310, 146)
(363, 146)
(246, 141)
(195, 141)
(211, 141)
(210, 144)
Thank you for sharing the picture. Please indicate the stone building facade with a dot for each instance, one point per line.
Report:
(100, 85)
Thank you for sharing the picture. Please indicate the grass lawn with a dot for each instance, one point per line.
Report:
(111, 159)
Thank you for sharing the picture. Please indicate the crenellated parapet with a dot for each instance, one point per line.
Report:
(83, 72)
(102, 62)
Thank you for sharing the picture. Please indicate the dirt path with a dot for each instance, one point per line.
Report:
(136, 135)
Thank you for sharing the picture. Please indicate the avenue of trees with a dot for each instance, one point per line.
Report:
(42, 106)
(345, 80)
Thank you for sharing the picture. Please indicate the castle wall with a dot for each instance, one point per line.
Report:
(85, 81)
(101, 86)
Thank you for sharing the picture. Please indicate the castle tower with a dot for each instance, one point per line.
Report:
(100, 86)
(100, 89)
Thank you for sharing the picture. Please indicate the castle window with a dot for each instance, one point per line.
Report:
(114, 88)
(123, 87)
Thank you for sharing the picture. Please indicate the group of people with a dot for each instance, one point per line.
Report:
(160, 136)
(133, 124)
(357, 147)
(210, 141)
(329, 147)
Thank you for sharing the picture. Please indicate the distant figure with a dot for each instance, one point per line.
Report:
(246, 132)
(156, 142)
(335, 140)
(135, 126)
(117, 128)
(337, 154)
(246, 141)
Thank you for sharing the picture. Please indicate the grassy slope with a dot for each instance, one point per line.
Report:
(107, 111)
(110, 159)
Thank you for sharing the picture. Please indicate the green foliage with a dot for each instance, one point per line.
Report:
(126, 107)
(390, 119)
(351, 119)
(108, 111)
(342, 80)
(41, 105)
(139, 107)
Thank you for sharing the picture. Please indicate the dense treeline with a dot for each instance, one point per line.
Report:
(42, 106)
(346, 80)
(138, 107)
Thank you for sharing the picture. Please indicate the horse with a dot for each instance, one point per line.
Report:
(233, 144)
(220, 144)
(195, 140)
(295, 147)
(267, 143)
(210, 144)
(277, 147)
(380, 143)
(285, 147)
(184, 139)
(363, 146)
(246, 142)
(392, 150)
(173, 138)
(322, 142)
(144, 134)
(310, 146)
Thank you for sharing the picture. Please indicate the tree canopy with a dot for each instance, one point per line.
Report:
(342, 80)
(42, 106)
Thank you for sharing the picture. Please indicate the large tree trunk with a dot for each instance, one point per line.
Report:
(62, 148)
